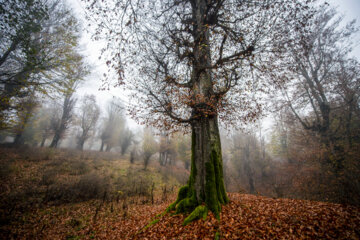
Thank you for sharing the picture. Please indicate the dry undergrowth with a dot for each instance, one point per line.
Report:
(99, 216)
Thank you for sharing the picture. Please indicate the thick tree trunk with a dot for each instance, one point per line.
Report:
(206, 176)
(206, 181)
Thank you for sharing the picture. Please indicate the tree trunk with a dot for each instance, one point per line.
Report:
(55, 141)
(43, 141)
(102, 146)
(108, 147)
(18, 139)
(206, 184)
(81, 144)
(206, 177)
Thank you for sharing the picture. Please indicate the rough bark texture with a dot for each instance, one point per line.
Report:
(206, 184)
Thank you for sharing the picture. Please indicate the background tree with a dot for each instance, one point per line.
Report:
(72, 79)
(113, 125)
(25, 111)
(44, 123)
(190, 64)
(149, 146)
(89, 115)
(61, 124)
(317, 73)
(167, 152)
(126, 140)
(183, 148)
(38, 41)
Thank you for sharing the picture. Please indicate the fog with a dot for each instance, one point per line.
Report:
(156, 104)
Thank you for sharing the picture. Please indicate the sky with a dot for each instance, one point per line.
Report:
(350, 9)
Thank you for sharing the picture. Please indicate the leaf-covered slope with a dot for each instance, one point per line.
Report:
(256, 217)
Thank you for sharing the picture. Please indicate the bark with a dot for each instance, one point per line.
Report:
(206, 184)
(132, 157)
(164, 158)
(247, 167)
(102, 146)
(81, 144)
(65, 120)
(56, 139)
(108, 147)
(43, 142)
(18, 139)
(10, 49)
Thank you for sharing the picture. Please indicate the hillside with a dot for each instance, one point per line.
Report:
(42, 188)
(256, 217)
(53, 194)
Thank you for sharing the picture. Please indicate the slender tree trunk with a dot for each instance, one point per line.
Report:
(132, 157)
(55, 141)
(43, 141)
(348, 125)
(18, 138)
(102, 146)
(81, 144)
(108, 147)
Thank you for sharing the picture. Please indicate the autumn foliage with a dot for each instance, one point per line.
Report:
(138, 213)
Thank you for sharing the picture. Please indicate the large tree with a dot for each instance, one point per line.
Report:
(320, 79)
(37, 42)
(113, 125)
(88, 117)
(72, 78)
(190, 63)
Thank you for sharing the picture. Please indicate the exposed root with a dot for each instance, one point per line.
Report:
(199, 212)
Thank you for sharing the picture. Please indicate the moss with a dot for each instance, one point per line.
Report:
(199, 212)
(149, 225)
(171, 207)
(214, 194)
(211, 197)
(186, 205)
(160, 215)
(217, 236)
(193, 166)
(183, 192)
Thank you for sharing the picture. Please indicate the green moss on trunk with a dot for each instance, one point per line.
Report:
(199, 212)
(206, 154)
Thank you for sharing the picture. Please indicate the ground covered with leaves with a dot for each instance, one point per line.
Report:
(49, 194)
(256, 217)
(245, 217)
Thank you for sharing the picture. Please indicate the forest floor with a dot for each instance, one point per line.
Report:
(245, 217)
(47, 194)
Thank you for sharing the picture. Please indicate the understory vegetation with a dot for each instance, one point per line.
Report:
(34, 180)
(70, 194)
